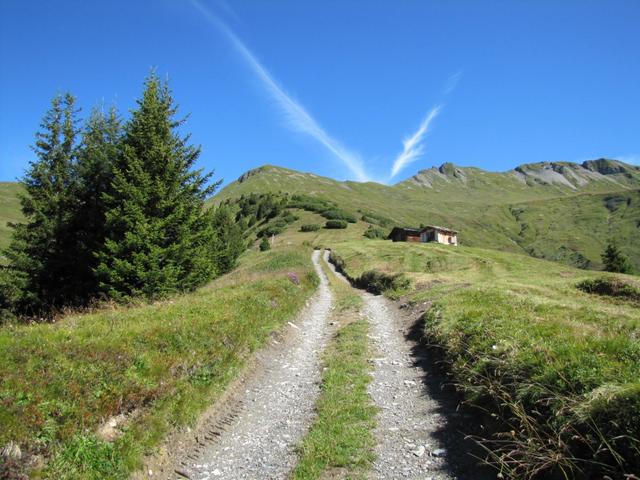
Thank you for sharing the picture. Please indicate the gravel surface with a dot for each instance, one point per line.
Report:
(256, 437)
(408, 418)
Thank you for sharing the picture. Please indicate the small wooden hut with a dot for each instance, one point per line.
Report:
(430, 233)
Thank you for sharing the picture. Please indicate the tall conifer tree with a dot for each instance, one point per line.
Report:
(97, 155)
(41, 249)
(159, 238)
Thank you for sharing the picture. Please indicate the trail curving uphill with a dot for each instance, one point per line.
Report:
(275, 407)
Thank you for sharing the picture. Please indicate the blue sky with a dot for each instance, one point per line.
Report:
(354, 89)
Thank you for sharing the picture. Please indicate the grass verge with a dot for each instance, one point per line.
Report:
(340, 442)
(556, 370)
(157, 365)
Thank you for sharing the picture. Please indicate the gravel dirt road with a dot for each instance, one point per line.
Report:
(256, 437)
(255, 430)
(408, 418)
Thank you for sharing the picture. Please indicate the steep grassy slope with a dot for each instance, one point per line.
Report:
(511, 211)
(9, 210)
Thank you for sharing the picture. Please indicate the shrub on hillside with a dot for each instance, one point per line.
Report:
(377, 219)
(310, 204)
(289, 217)
(378, 282)
(274, 228)
(610, 286)
(374, 233)
(263, 206)
(335, 224)
(264, 245)
(337, 214)
(310, 227)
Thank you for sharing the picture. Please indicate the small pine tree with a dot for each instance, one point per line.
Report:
(229, 240)
(264, 244)
(159, 237)
(42, 250)
(614, 260)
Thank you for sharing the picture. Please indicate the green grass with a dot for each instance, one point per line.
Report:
(559, 367)
(340, 441)
(164, 362)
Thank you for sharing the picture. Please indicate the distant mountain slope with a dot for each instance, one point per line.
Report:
(558, 211)
(9, 209)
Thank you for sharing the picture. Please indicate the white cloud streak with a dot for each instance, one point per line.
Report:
(295, 115)
(452, 82)
(413, 146)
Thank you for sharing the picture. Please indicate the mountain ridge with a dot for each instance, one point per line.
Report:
(568, 174)
(615, 173)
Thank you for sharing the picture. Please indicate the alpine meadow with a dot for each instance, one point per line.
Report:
(321, 240)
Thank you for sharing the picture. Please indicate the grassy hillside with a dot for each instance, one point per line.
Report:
(9, 210)
(151, 367)
(571, 224)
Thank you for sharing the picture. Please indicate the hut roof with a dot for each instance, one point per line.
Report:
(442, 229)
(415, 231)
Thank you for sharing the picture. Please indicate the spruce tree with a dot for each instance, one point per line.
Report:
(614, 260)
(97, 154)
(229, 240)
(41, 250)
(159, 238)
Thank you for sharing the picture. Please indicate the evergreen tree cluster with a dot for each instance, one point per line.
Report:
(256, 208)
(115, 210)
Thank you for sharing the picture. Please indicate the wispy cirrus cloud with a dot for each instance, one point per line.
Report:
(413, 146)
(452, 82)
(296, 117)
